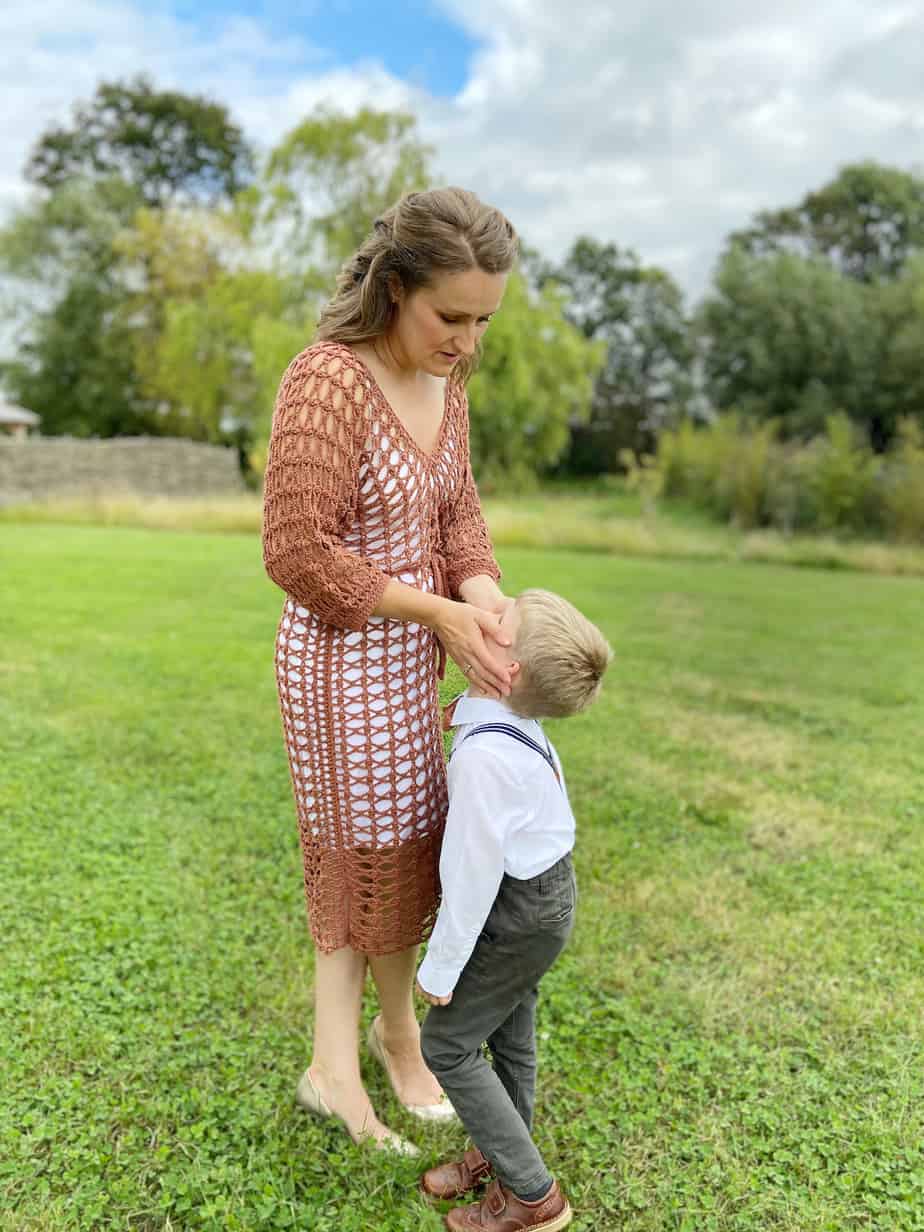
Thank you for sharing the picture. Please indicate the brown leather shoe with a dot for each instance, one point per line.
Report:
(458, 1178)
(502, 1211)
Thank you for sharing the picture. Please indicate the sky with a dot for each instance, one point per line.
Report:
(660, 126)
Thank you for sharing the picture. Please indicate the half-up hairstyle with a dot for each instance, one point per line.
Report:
(427, 234)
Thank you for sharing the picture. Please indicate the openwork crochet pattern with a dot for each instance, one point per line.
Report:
(350, 501)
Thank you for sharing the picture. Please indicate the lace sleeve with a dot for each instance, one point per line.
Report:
(466, 542)
(310, 481)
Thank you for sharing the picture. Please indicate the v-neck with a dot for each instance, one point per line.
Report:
(429, 455)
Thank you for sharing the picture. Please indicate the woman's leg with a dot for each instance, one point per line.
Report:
(398, 1028)
(338, 993)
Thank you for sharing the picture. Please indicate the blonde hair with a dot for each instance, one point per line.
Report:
(426, 234)
(562, 657)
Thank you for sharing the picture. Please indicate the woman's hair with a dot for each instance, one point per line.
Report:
(562, 657)
(427, 234)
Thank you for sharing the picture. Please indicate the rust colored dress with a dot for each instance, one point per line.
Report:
(350, 501)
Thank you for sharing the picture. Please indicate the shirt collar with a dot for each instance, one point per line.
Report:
(483, 710)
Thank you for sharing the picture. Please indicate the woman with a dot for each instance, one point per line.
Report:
(373, 529)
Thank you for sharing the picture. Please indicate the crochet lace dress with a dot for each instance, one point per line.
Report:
(350, 501)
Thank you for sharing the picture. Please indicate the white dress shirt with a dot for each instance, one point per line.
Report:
(507, 814)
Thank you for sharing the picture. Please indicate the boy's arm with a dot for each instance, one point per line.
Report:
(482, 793)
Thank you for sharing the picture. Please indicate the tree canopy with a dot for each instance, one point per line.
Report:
(163, 273)
(536, 375)
(333, 174)
(636, 313)
(866, 222)
(166, 145)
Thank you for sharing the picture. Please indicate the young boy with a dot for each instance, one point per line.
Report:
(507, 910)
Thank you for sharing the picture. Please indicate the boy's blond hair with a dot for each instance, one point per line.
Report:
(562, 657)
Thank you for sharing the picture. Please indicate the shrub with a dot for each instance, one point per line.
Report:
(843, 478)
(690, 459)
(644, 477)
(903, 484)
(746, 467)
(742, 472)
(722, 467)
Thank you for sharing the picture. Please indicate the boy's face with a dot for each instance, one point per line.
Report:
(510, 624)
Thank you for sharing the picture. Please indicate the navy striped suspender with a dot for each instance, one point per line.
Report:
(508, 729)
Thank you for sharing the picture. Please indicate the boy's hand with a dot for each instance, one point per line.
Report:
(429, 996)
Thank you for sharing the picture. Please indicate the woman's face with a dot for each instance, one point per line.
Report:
(439, 324)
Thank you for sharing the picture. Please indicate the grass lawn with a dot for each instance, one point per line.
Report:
(599, 517)
(734, 1040)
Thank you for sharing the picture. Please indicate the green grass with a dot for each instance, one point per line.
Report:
(733, 1042)
(588, 517)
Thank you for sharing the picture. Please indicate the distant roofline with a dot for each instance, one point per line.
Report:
(10, 414)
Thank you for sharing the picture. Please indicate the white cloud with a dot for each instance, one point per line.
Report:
(661, 126)
(723, 107)
(57, 52)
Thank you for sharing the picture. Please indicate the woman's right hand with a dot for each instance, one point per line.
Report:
(470, 636)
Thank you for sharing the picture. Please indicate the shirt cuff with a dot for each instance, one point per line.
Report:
(437, 978)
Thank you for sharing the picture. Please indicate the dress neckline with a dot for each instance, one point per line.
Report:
(430, 455)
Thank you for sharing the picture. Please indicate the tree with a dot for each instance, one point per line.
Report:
(168, 146)
(899, 308)
(333, 174)
(535, 377)
(62, 234)
(791, 338)
(75, 371)
(866, 222)
(73, 359)
(221, 349)
(167, 257)
(637, 313)
(212, 330)
(66, 294)
(221, 355)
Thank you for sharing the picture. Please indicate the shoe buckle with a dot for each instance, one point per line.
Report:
(476, 1163)
(495, 1200)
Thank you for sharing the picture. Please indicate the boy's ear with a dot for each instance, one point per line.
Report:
(514, 667)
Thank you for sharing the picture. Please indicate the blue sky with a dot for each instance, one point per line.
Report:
(658, 125)
(412, 39)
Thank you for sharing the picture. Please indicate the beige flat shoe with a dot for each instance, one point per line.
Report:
(309, 1099)
(443, 1111)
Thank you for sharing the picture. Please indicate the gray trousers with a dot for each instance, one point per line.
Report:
(495, 1002)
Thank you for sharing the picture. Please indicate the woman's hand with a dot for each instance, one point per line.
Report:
(430, 997)
(470, 636)
(482, 591)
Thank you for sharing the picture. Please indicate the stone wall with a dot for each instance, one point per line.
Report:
(55, 467)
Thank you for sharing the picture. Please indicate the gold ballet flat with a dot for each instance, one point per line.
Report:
(309, 1099)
